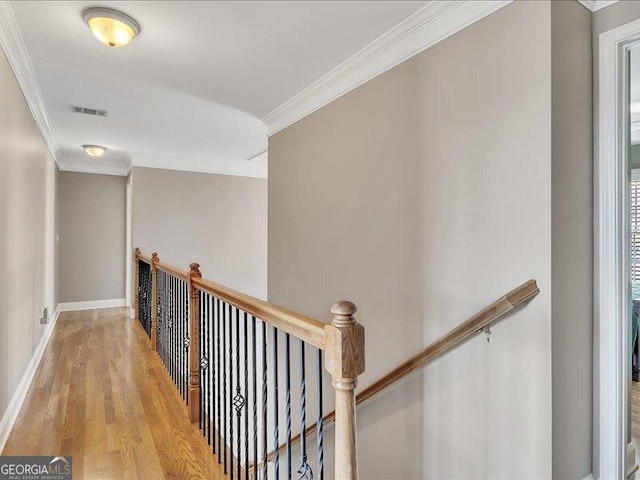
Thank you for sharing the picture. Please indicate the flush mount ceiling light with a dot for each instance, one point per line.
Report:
(113, 28)
(94, 151)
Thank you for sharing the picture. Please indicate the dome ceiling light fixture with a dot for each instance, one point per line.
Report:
(94, 151)
(113, 28)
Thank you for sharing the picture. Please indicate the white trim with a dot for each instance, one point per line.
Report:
(128, 289)
(11, 414)
(91, 305)
(595, 5)
(15, 49)
(100, 169)
(611, 285)
(132, 313)
(431, 24)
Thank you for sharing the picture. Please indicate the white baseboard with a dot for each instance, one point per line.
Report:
(132, 313)
(10, 416)
(91, 305)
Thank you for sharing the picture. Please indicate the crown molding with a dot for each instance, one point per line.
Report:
(595, 5)
(15, 49)
(429, 25)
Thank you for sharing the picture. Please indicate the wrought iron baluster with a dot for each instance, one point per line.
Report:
(255, 398)
(187, 342)
(264, 401)
(201, 295)
(276, 433)
(305, 470)
(220, 405)
(231, 432)
(224, 386)
(288, 401)
(212, 384)
(246, 397)
(238, 400)
(319, 432)
(204, 365)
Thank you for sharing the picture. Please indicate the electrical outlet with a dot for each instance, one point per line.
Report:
(45, 316)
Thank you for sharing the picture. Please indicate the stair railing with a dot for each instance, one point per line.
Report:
(479, 322)
(216, 343)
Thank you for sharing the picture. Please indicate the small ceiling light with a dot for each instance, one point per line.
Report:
(111, 27)
(94, 150)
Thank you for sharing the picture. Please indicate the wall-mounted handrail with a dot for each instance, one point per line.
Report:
(442, 345)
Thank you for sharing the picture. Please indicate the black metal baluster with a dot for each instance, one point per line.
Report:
(201, 296)
(180, 344)
(238, 400)
(204, 365)
(173, 326)
(305, 469)
(212, 379)
(220, 406)
(276, 433)
(264, 402)
(187, 341)
(224, 386)
(319, 430)
(288, 402)
(246, 398)
(255, 399)
(231, 444)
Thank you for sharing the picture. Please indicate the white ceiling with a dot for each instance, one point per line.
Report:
(192, 87)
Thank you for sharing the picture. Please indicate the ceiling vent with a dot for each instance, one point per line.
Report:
(91, 111)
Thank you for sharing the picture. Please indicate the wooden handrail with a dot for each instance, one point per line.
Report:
(305, 328)
(176, 272)
(444, 344)
(144, 258)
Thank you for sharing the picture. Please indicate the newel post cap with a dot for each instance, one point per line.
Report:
(154, 257)
(194, 269)
(343, 312)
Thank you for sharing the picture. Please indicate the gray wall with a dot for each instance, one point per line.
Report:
(572, 233)
(92, 236)
(219, 221)
(25, 164)
(414, 197)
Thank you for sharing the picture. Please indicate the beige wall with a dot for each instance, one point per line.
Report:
(25, 165)
(219, 221)
(92, 237)
(424, 195)
(572, 233)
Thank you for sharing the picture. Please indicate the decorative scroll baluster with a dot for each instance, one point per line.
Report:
(246, 397)
(204, 367)
(276, 434)
(319, 432)
(288, 402)
(231, 444)
(305, 470)
(238, 400)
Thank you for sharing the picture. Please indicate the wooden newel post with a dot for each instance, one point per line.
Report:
(194, 345)
(154, 301)
(136, 282)
(344, 360)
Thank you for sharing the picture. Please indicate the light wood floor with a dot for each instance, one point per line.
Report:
(101, 395)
